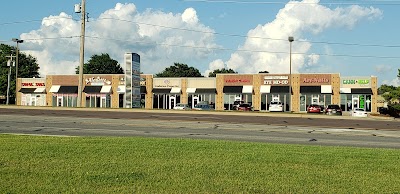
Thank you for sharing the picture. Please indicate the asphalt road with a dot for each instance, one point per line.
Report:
(258, 127)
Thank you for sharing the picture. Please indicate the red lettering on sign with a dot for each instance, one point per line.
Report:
(33, 84)
(237, 81)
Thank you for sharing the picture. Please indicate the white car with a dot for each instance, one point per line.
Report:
(359, 112)
(276, 106)
(181, 106)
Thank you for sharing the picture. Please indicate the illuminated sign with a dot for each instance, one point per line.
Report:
(237, 81)
(276, 82)
(97, 81)
(37, 84)
(316, 80)
(354, 81)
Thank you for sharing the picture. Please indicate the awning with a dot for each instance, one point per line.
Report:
(190, 90)
(175, 90)
(143, 90)
(247, 89)
(27, 90)
(361, 90)
(121, 89)
(345, 90)
(40, 90)
(326, 89)
(279, 89)
(161, 90)
(310, 89)
(92, 89)
(206, 91)
(68, 90)
(105, 89)
(54, 88)
(233, 89)
(265, 89)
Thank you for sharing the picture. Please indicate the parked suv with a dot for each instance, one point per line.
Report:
(276, 106)
(333, 109)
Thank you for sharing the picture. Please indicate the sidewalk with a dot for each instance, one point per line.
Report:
(255, 113)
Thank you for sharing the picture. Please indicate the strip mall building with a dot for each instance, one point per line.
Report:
(110, 91)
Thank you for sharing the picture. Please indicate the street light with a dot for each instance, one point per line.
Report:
(16, 66)
(291, 39)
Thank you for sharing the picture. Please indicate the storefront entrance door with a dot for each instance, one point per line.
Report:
(315, 99)
(103, 102)
(195, 100)
(303, 103)
(172, 101)
(355, 102)
(59, 101)
(33, 101)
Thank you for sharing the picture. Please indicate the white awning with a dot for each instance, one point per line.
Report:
(345, 90)
(105, 89)
(326, 89)
(247, 89)
(265, 89)
(191, 90)
(121, 89)
(175, 91)
(54, 88)
(39, 90)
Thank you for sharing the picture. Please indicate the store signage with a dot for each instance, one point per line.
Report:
(142, 81)
(37, 84)
(316, 80)
(96, 81)
(276, 80)
(354, 81)
(237, 81)
(166, 83)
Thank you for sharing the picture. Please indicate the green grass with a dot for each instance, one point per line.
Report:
(34, 164)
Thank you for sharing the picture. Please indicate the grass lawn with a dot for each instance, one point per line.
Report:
(35, 164)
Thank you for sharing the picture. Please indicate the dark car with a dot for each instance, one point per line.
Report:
(314, 108)
(244, 107)
(333, 109)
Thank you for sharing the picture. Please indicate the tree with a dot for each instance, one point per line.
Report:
(223, 70)
(101, 64)
(263, 72)
(179, 70)
(398, 76)
(27, 68)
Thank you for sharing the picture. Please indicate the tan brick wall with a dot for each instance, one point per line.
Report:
(374, 88)
(184, 96)
(149, 91)
(258, 80)
(335, 88)
(219, 104)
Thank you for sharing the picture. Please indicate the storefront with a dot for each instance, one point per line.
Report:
(237, 89)
(315, 89)
(33, 92)
(274, 88)
(166, 92)
(356, 92)
(201, 90)
(64, 96)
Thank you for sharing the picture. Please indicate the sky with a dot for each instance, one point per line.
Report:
(353, 38)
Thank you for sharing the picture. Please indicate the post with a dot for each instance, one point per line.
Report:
(82, 55)
(290, 72)
(10, 64)
(16, 66)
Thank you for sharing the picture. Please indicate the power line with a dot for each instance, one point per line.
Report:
(383, 2)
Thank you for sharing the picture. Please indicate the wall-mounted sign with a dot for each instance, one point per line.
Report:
(315, 79)
(30, 84)
(97, 81)
(142, 81)
(276, 80)
(238, 80)
(166, 83)
(355, 82)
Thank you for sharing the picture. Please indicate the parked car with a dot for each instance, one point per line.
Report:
(181, 106)
(245, 107)
(333, 109)
(276, 106)
(203, 107)
(314, 108)
(236, 104)
(359, 112)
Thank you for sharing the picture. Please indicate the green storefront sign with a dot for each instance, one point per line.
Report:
(361, 98)
(355, 81)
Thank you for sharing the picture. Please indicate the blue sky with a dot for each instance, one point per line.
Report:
(353, 38)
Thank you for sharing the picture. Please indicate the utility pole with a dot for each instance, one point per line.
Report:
(16, 65)
(82, 54)
(10, 63)
(291, 39)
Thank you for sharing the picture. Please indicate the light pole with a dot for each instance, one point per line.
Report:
(291, 39)
(82, 53)
(16, 66)
(10, 63)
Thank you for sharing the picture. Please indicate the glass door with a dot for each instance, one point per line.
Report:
(103, 101)
(172, 101)
(195, 100)
(33, 101)
(59, 101)
(314, 99)
(355, 102)
(302, 103)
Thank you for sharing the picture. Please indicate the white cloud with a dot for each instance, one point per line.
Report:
(119, 30)
(295, 19)
(393, 82)
(383, 68)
